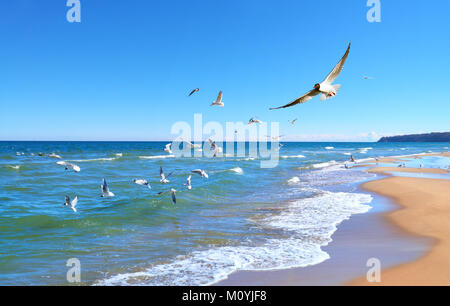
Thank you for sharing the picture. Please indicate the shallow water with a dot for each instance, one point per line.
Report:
(242, 217)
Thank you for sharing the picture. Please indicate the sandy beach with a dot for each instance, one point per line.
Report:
(425, 212)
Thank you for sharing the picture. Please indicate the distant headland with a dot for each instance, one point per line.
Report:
(431, 137)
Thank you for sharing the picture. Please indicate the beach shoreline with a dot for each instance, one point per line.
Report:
(402, 245)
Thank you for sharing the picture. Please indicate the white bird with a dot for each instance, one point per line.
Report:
(218, 101)
(214, 147)
(188, 183)
(325, 88)
(172, 191)
(71, 204)
(254, 120)
(164, 179)
(200, 172)
(168, 148)
(368, 78)
(142, 183)
(105, 190)
(68, 166)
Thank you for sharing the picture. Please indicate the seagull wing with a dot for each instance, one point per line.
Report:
(219, 97)
(170, 174)
(105, 188)
(74, 202)
(174, 198)
(338, 68)
(192, 92)
(308, 96)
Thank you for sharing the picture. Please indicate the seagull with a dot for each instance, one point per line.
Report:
(218, 101)
(200, 172)
(142, 183)
(368, 78)
(325, 88)
(172, 191)
(164, 179)
(192, 92)
(68, 166)
(188, 183)
(254, 120)
(214, 147)
(105, 190)
(71, 204)
(352, 159)
(168, 148)
(293, 121)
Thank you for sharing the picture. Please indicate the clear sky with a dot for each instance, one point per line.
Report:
(124, 72)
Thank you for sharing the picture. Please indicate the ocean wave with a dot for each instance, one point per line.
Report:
(293, 180)
(310, 223)
(157, 157)
(329, 148)
(93, 160)
(237, 170)
(323, 165)
(292, 156)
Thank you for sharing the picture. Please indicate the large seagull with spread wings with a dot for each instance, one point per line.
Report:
(325, 88)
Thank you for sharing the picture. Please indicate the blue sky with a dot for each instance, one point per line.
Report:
(124, 72)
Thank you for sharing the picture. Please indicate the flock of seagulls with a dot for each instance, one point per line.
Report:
(326, 89)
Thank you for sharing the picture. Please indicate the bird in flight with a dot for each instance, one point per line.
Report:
(164, 179)
(326, 89)
(72, 203)
(142, 183)
(293, 121)
(254, 121)
(105, 190)
(172, 192)
(218, 101)
(200, 172)
(194, 91)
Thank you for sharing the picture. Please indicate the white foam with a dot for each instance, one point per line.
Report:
(237, 170)
(309, 224)
(293, 180)
(292, 156)
(14, 167)
(323, 165)
(347, 153)
(157, 157)
(93, 160)
(329, 148)
(119, 154)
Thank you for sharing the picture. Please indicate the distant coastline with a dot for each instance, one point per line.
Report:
(431, 137)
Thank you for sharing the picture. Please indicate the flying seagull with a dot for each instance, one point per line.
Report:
(293, 121)
(254, 120)
(214, 147)
(194, 91)
(164, 179)
(68, 166)
(105, 190)
(71, 204)
(368, 78)
(218, 101)
(188, 183)
(325, 88)
(172, 191)
(168, 148)
(200, 172)
(142, 183)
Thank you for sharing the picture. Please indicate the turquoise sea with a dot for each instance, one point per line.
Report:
(243, 217)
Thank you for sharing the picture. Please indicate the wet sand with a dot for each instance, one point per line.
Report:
(357, 240)
(426, 213)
